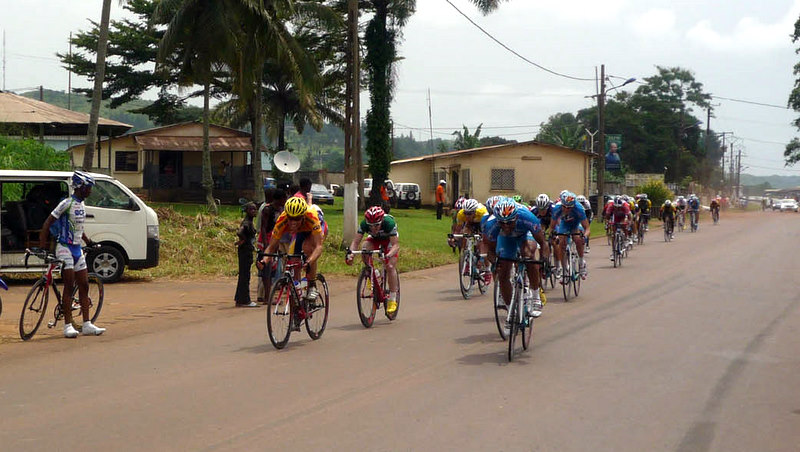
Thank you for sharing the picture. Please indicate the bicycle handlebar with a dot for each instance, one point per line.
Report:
(458, 236)
(44, 255)
(380, 253)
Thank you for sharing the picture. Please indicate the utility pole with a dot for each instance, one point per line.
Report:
(738, 175)
(4, 59)
(353, 175)
(601, 148)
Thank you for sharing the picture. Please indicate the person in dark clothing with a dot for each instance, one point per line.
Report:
(269, 215)
(245, 246)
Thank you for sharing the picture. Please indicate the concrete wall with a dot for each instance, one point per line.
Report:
(537, 169)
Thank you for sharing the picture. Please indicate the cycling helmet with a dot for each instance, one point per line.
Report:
(542, 201)
(644, 195)
(506, 210)
(459, 203)
(563, 192)
(581, 199)
(668, 203)
(295, 207)
(374, 215)
(492, 201)
(568, 199)
(680, 197)
(470, 206)
(619, 201)
(517, 198)
(82, 179)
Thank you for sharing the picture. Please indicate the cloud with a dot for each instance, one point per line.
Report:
(568, 10)
(656, 23)
(748, 35)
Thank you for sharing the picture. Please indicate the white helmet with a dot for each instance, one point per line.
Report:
(470, 206)
(542, 201)
(581, 199)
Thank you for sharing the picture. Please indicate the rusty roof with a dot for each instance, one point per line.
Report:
(31, 113)
(482, 149)
(183, 143)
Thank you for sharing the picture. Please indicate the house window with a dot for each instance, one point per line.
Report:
(126, 161)
(502, 179)
(436, 177)
(465, 184)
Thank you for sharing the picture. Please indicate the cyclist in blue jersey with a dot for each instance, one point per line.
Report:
(513, 234)
(569, 218)
(694, 209)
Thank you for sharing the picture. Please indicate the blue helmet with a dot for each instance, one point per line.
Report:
(506, 210)
(492, 201)
(568, 199)
(82, 179)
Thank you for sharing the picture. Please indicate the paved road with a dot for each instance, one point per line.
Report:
(691, 346)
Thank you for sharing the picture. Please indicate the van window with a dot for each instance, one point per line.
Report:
(107, 194)
(25, 207)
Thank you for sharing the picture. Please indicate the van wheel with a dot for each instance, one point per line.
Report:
(108, 263)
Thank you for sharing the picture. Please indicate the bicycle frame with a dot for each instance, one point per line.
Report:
(378, 278)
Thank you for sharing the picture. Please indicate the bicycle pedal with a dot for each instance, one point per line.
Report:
(51, 324)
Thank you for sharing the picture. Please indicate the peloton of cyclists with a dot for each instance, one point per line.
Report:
(569, 218)
(515, 230)
(381, 231)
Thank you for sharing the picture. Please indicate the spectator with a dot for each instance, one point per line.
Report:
(267, 220)
(440, 199)
(245, 246)
(304, 190)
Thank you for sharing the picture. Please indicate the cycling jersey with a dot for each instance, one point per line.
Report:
(568, 221)
(667, 210)
(619, 214)
(694, 204)
(714, 204)
(544, 215)
(71, 212)
(644, 206)
(479, 214)
(508, 244)
(388, 228)
(681, 204)
(310, 223)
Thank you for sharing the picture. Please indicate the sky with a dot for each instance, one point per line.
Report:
(738, 49)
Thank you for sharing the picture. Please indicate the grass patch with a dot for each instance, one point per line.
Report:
(196, 244)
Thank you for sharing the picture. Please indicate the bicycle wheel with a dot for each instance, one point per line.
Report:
(499, 312)
(365, 298)
(576, 277)
(96, 294)
(393, 315)
(514, 326)
(640, 234)
(317, 318)
(33, 310)
(527, 331)
(566, 275)
(465, 273)
(478, 279)
(280, 313)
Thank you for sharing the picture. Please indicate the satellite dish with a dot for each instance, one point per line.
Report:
(286, 162)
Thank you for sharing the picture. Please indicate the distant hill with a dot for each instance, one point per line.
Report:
(774, 181)
(83, 104)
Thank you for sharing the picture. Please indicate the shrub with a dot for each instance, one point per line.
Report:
(31, 154)
(656, 191)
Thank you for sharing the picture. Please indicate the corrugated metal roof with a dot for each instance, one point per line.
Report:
(162, 143)
(481, 149)
(15, 109)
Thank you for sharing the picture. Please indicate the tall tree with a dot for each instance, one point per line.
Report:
(466, 140)
(97, 94)
(562, 129)
(791, 154)
(200, 31)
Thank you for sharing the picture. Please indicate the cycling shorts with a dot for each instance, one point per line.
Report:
(72, 255)
(509, 246)
(378, 244)
(563, 228)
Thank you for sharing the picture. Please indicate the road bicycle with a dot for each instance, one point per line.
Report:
(619, 244)
(288, 307)
(715, 215)
(548, 272)
(35, 306)
(570, 276)
(469, 275)
(372, 290)
(519, 317)
(4, 286)
(641, 229)
(681, 221)
(669, 226)
(693, 220)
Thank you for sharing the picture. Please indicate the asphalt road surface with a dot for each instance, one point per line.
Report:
(690, 346)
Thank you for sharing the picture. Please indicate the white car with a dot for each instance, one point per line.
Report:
(788, 204)
(408, 194)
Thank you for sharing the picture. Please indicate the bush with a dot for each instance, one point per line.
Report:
(656, 191)
(32, 155)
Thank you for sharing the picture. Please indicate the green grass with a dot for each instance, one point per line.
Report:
(195, 244)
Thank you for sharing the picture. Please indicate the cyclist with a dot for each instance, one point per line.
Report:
(643, 207)
(513, 233)
(381, 230)
(468, 221)
(694, 209)
(298, 219)
(543, 209)
(570, 218)
(714, 206)
(681, 205)
(71, 214)
(589, 214)
(518, 199)
(667, 215)
(620, 214)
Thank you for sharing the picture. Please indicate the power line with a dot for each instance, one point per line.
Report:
(763, 104)
(514, 52)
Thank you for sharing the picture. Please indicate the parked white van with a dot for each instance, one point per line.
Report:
(124, 226)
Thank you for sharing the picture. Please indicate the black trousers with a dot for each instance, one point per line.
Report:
(439, 209)
(245, 253)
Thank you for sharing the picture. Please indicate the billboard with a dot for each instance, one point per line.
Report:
(613, 149)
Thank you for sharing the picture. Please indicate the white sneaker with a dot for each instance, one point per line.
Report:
(90, 329)
(70, 331)
(583, 269)
(558, 272)
(500, 303)
(536, 308)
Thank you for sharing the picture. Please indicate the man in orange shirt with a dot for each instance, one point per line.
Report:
(440, 199)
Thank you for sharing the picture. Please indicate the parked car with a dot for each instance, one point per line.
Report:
(390, 189)
(408, 194)
(788, 204)
(320, 194)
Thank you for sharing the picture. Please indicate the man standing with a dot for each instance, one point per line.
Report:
(440, 199)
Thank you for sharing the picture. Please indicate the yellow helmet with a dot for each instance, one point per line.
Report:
(295, 207)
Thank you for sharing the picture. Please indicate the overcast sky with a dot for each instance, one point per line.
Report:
(738, 49)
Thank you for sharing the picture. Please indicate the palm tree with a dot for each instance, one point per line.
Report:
(465, 140)
(200, 30)
(97, 93)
